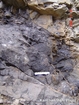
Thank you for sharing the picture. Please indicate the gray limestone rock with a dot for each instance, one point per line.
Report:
(41, 78)
(49, 79)
(26, 48)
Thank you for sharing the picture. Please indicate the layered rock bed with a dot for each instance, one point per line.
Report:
(35, 36)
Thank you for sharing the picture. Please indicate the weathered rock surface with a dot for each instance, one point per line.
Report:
(67, 2)
(26, 48)
(52, 9)
(55, 8)
(16, 86)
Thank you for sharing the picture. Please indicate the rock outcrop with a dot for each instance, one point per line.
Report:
(39, 39)
(48, 7)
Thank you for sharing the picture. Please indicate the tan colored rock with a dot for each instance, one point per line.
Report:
(42, 2)
(33, 14)
(68, 2)
(58, 28)
(46, 1)
(77, 4)
(76, 39)
(48, 8)
(74, 36)
(75, 14)
(76, 23)
(44, 21)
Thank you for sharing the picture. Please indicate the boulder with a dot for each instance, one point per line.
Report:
(26, 47)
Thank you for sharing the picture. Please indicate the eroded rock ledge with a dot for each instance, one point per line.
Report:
(48, 7)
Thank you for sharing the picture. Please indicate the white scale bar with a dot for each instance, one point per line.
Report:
(41, 73)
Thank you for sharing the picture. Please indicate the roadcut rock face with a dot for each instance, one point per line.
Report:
(38, 39)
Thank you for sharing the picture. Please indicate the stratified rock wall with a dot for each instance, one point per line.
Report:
(35, 36)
